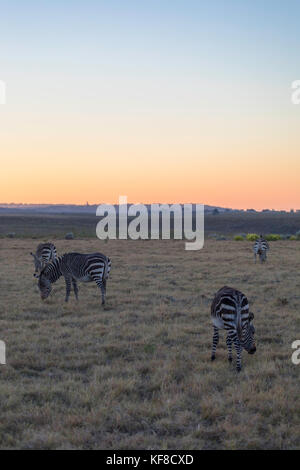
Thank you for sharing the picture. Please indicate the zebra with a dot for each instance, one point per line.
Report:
(230, 311)
(260, 247)
(45, 253)
(75, 267)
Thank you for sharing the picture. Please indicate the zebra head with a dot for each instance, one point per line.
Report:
(248, 335)
(37, 263)
(44, 285)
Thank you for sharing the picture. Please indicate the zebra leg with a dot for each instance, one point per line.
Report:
(102, 285)
(75, 287)
(68, 288)
(238, 349)
(229, 347)
(255, 258)
(215, 343)
(103, 292)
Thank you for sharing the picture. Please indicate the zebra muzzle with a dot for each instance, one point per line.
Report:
(252, 350)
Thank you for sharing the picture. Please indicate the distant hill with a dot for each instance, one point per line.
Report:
(75, 209)
(90, 209)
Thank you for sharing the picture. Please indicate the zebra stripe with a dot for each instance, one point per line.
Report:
(260, 248)
(75, 267)
(45, 253)
(230, 311)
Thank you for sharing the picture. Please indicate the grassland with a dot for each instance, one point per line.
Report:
(137, 373)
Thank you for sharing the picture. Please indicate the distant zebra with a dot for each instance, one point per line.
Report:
(230, 311)
(45, 253)
(260, 247)
(75, 267)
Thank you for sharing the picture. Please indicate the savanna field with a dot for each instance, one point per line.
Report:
(137, 374)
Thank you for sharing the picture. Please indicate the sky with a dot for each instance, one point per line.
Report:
(162, 101)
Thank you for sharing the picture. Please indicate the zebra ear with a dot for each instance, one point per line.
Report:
(251, 316)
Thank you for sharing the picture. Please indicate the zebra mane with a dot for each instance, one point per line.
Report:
(52, 266)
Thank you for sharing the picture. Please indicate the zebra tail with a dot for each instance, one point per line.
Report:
(105, 273)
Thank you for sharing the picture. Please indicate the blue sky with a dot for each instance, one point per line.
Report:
(247, 42)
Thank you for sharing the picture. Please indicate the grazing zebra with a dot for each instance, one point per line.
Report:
(230, 311)
(45, 253)
(75, 267)
(260, 247)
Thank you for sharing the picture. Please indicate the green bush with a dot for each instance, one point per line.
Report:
(293, 237)
(238, 238)
(251, 237)
(273, 237)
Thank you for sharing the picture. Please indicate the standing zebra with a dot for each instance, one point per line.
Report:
(230, 311)
(260, 247)
(45, 253)
(75, 267)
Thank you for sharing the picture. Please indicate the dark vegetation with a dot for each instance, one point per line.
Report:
(83, 226)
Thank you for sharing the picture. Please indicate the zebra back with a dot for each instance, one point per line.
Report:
(231, 308)
(79, 265)
(261, 245)
(260, 248)
(230, 311)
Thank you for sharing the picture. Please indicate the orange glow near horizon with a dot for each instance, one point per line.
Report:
(225, 189)
(240, 188)
(222, 166)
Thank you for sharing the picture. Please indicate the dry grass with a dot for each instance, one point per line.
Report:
(137, 374)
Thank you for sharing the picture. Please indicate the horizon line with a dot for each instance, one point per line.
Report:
(18, 204)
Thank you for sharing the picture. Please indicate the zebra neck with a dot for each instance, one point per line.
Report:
(245, 337)
(53, 270)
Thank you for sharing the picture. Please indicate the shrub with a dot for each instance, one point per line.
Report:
(273, 237)
(251, 237)
(238, 238)
(293, 237)
(69, 236)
